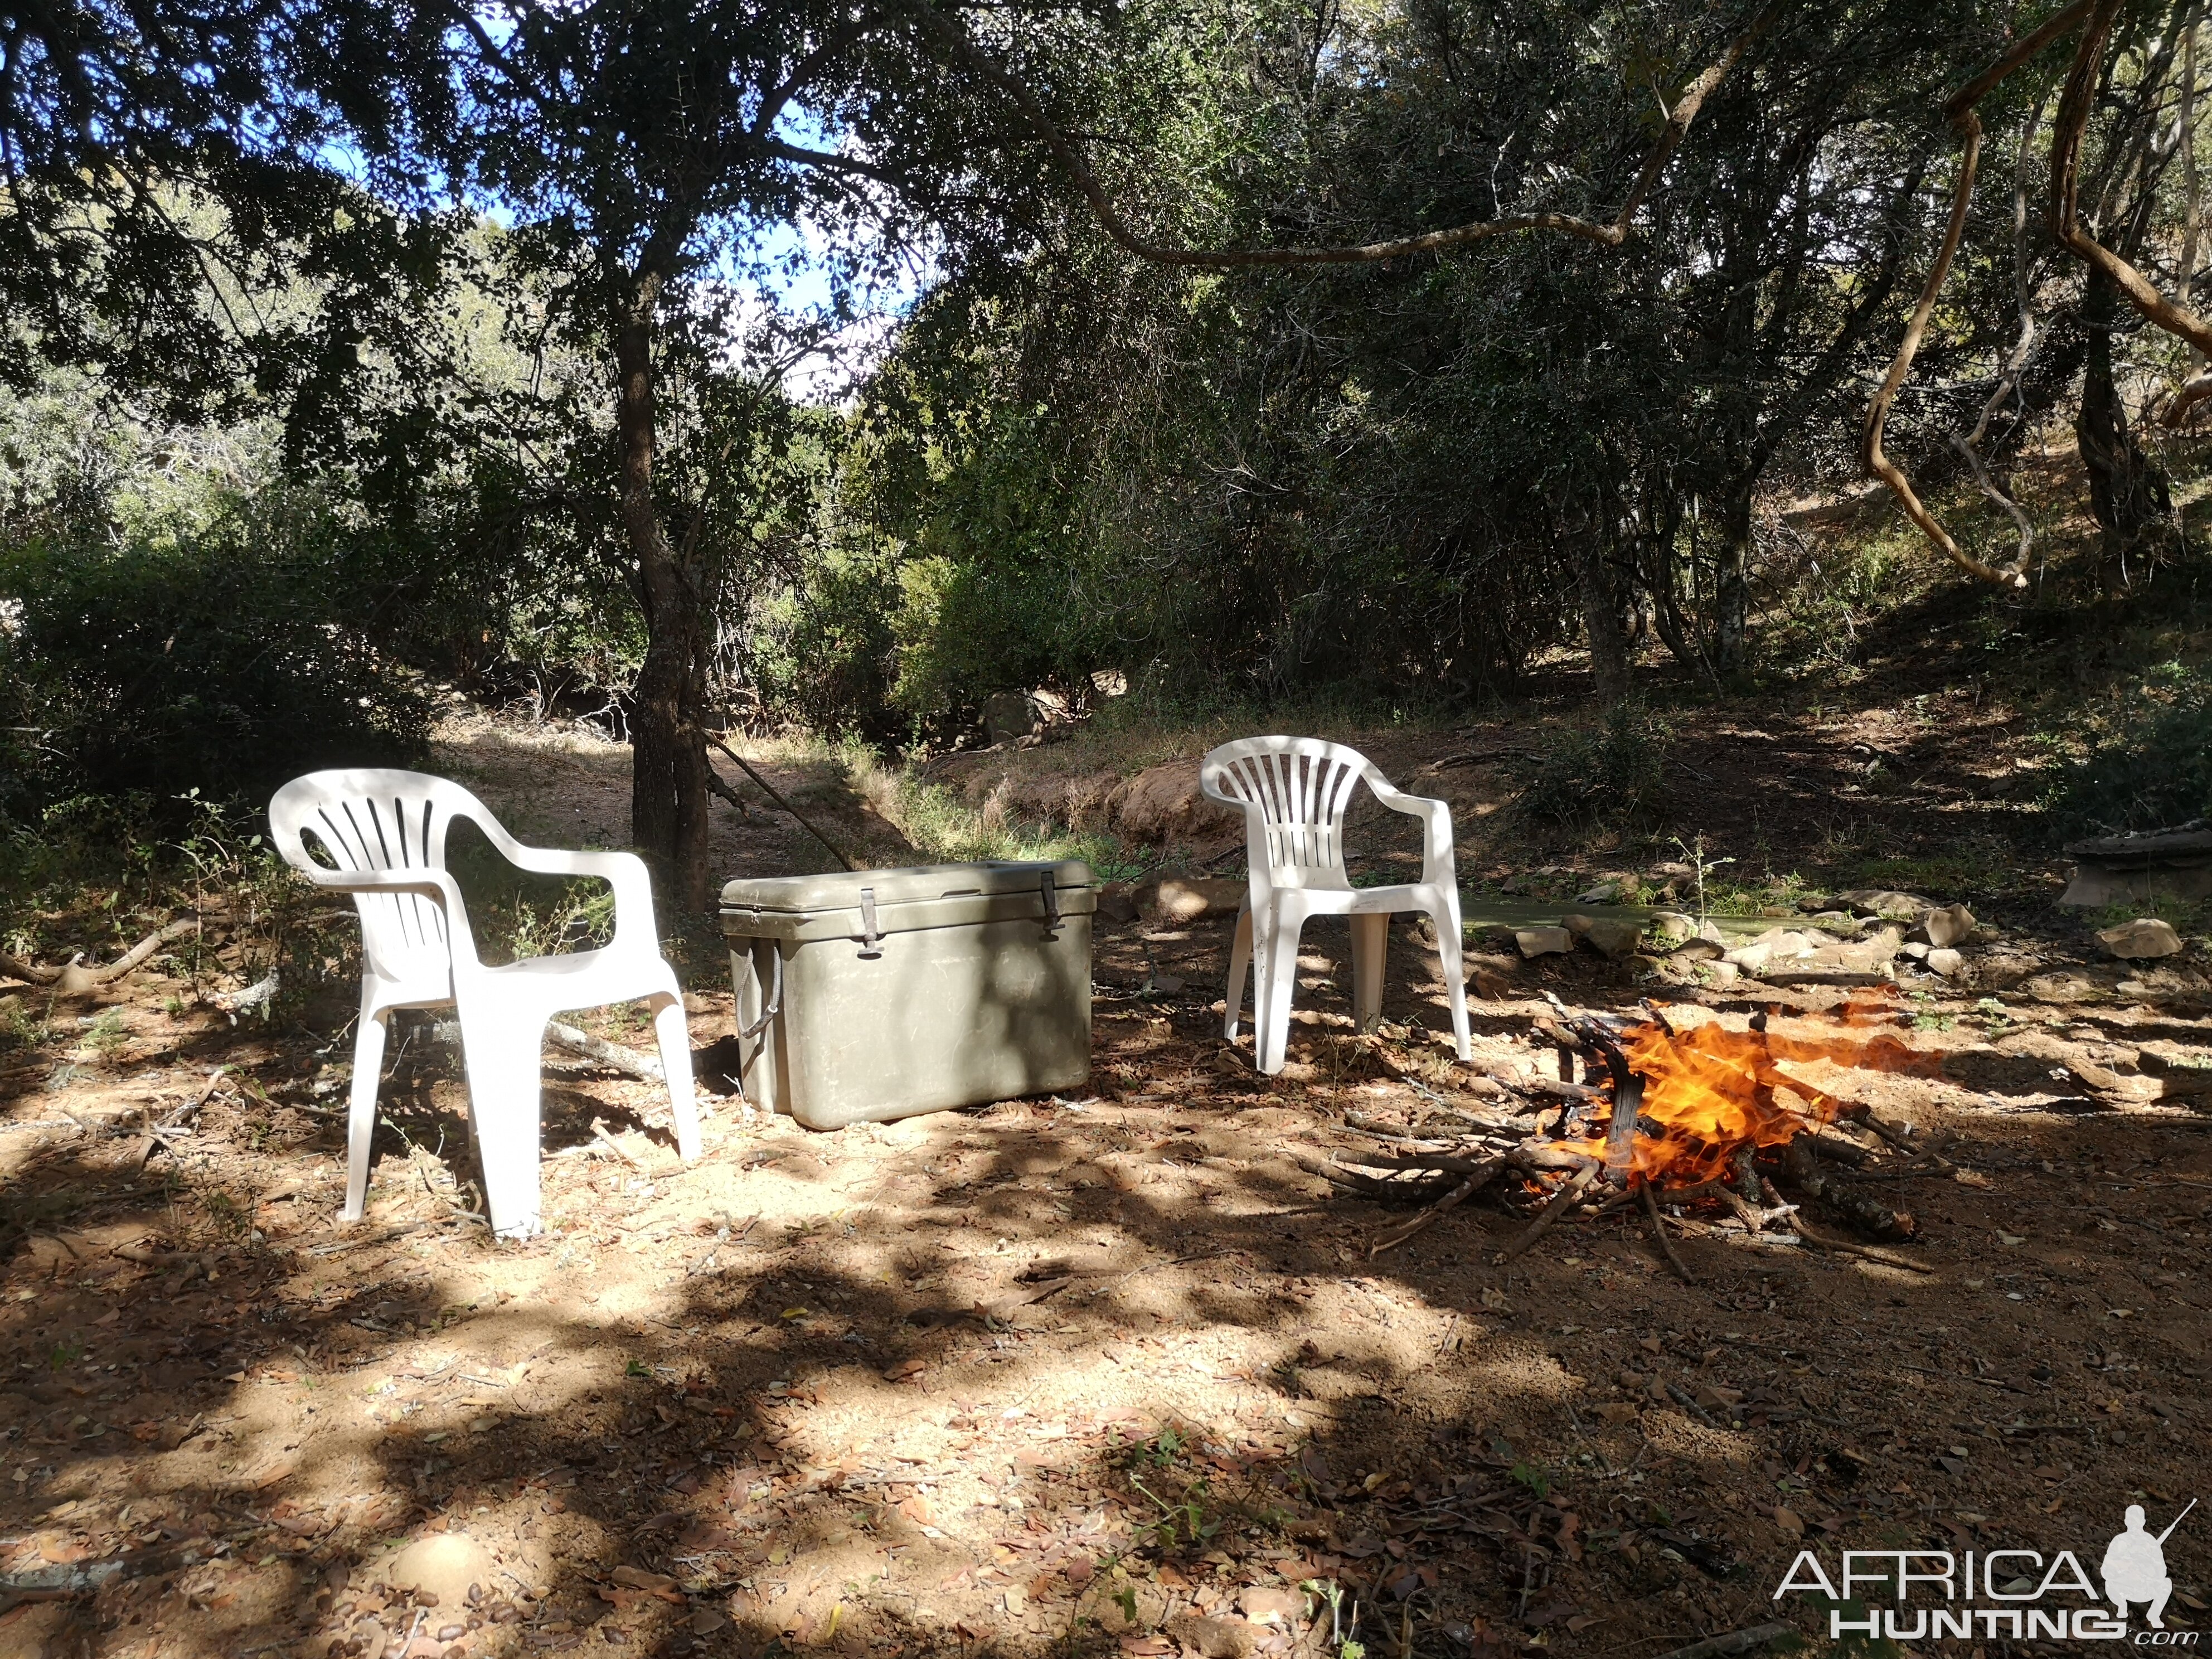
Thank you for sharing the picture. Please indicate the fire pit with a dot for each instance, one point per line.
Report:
(1697, 1115)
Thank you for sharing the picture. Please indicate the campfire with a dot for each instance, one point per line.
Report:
(1699, 1125)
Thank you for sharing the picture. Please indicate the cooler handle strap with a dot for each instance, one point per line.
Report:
(871, 942)
(774, 1006)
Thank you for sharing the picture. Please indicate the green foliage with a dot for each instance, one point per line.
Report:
(222, 659)
(1613, 773)
(2152, 768)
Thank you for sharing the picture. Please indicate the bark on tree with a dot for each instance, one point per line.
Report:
(2128, 491)
(1608, 641)
(668, 746)
(1732, 594)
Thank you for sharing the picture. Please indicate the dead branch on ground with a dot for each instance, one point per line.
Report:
(73, 979)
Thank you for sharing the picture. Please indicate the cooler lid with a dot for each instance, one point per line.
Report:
(839, 890)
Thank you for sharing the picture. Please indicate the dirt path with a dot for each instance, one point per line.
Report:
(1096, 1375)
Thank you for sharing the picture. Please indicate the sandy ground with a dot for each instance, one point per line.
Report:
(1106, 1374)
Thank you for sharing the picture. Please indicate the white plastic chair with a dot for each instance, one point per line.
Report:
(386, 830)
(1295, 793)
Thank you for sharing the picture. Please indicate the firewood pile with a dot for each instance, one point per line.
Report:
(1700, 1128)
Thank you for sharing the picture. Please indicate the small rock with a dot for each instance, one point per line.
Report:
(1721, 972)
(1709, 930)
(2146, 936)
(1946, 962)
(1698, 949)
(1214, 1638)
(1837, 922)
(1751, 958)
(1674, 927)
(1606, 892)
(443, 1565)
(1882, 902)
(1543, 941)
(1265, 1606)
(1609, 936)
(1951, 925)
(1916, 949)
(1116, 902)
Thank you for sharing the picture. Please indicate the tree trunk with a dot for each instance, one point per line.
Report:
(2128, 491)
(1732, 586)
(668, 748)
(1608, 641)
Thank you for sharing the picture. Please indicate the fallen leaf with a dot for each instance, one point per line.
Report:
(1789, 1522)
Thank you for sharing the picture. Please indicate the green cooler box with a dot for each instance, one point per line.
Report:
(874, 994)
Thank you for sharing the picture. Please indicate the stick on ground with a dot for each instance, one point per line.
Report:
(1740, 1641)
(1659, 1232)
(1542, 1225)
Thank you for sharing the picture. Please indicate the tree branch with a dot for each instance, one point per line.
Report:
(1609, 235)
(1959, 108)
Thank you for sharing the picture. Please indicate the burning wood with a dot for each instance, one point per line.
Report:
(1662, 1116)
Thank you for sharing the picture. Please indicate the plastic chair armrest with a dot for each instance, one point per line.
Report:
(1438, 866)
(623, 872)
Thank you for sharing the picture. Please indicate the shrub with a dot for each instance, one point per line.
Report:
(225, 659)
(1613, 773)
(2153, 768)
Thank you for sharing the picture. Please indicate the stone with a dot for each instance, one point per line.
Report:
(1916, 949)
(1010, 715)
(1214, 1638)
(1543, 941)
(1674, 927)
(1605, 892)
(1953, 924)
(1884, 902)
(1720, 973)
(1264, 1605)
(2145, 937)
(1117, 902)
(1839, 922)
(1751, 958)
(1696, 949)
(1610, 936)
(1164, 802)
(445, 1563)
(1946, 961)
(1178, 900)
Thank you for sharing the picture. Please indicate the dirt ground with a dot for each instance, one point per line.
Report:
(1105, 1374)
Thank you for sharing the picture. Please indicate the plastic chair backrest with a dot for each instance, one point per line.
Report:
(380, 819)
(1295, 793)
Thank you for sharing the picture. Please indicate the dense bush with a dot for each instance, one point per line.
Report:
(2152, 769)
(223, 658)
(1613, 773)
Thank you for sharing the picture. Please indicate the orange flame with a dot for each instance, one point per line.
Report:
(1710, 1091)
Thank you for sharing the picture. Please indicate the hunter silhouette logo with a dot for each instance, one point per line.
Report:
(2135, 1567)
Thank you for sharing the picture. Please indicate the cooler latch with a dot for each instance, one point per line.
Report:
(1051, 903)
(871, 942)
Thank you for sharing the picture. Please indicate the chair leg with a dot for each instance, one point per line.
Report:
(1240, 958)
(1279, 979)
(675, 1038)
(1445, 913)
(361, 1114)
(502, 1050)
(1371, 948)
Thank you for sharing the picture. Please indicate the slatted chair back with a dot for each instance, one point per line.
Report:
(1295, 793)
(380, 819)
